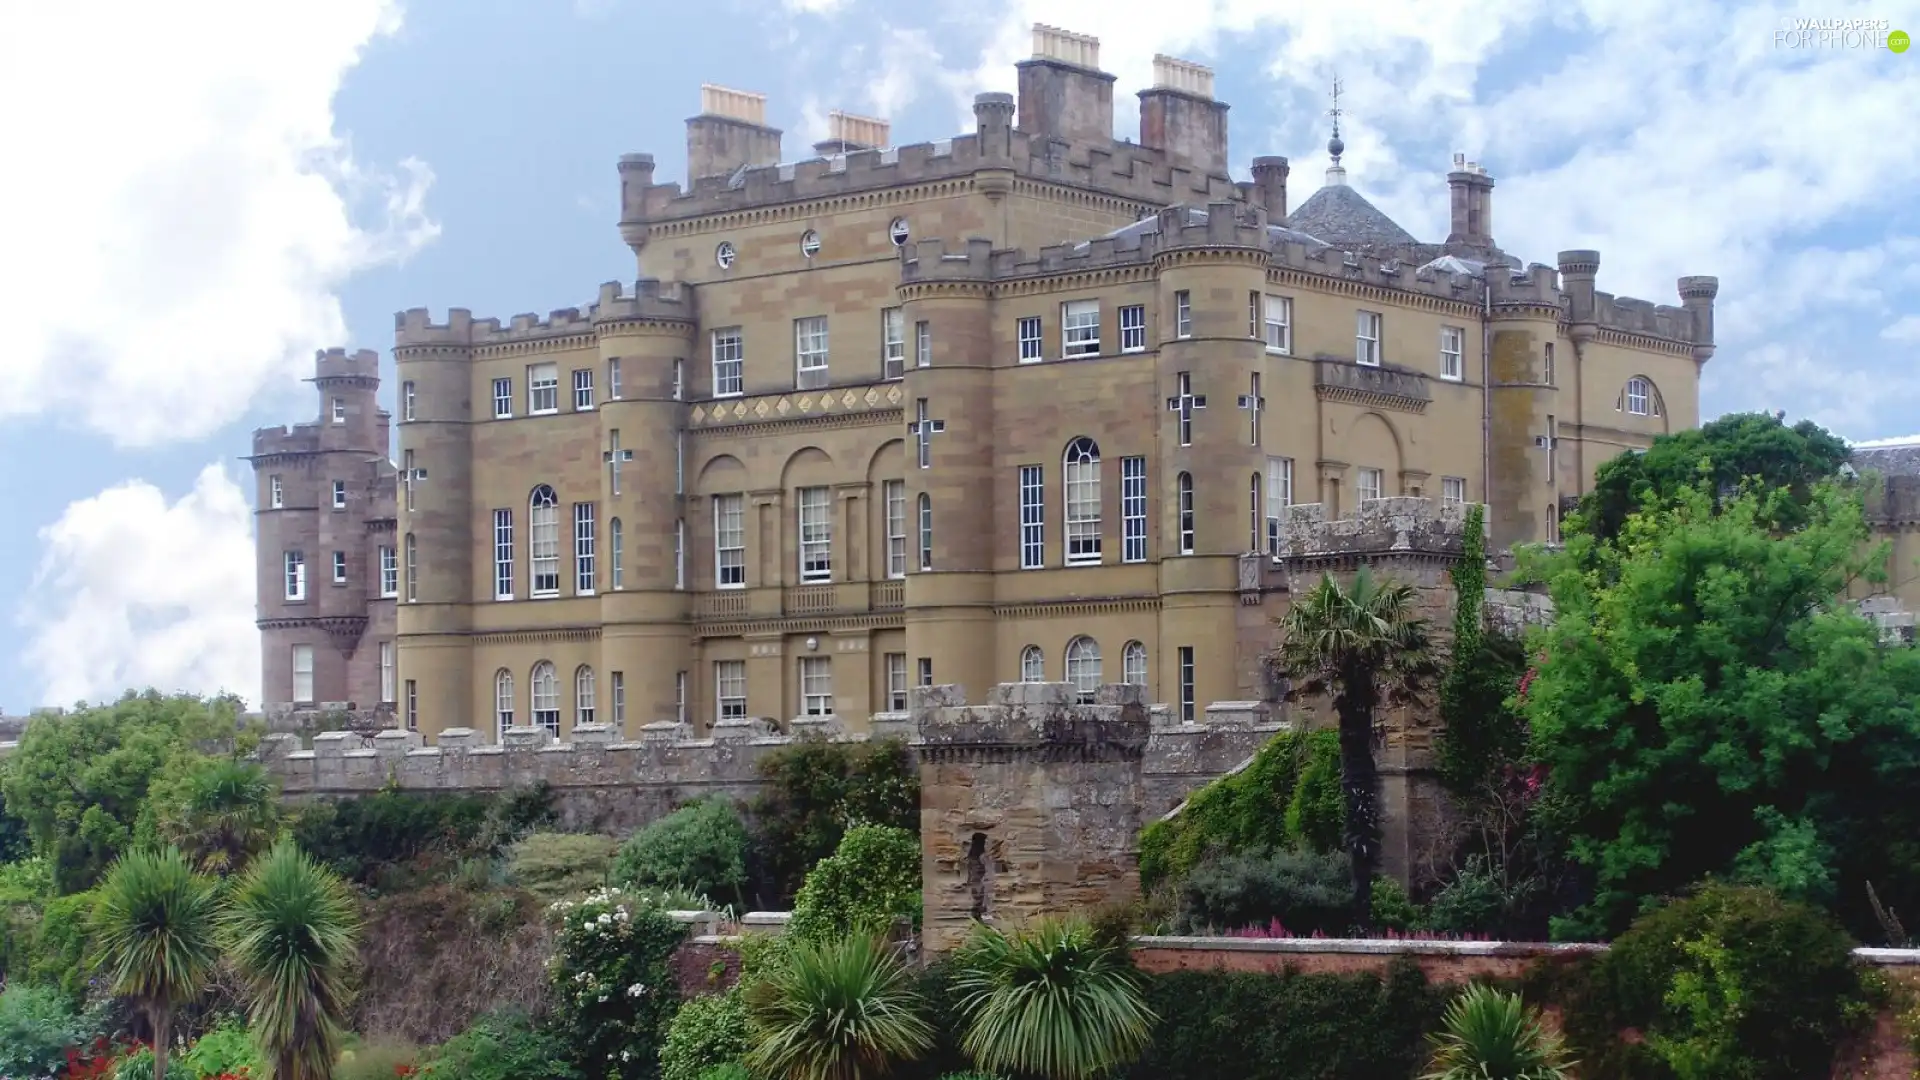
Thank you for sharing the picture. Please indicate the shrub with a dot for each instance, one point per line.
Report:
(701, 846)
(502, 1046)
(553, 866)
(37, 1027)
(376, 1061)
(705, 1033)
(871, 880)
(1393, 909)
(732, 1070)
(1490, 1035)
(812, 791)
(1051, 1001)
(367, 838)
(1307, 893)
(1473, 902)
(844, 1008)
(611, 978)
(227, 1050)
(1288, 796)
(138, 1065)
(63, 946)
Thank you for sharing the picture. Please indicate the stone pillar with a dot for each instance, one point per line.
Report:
(1029, 805)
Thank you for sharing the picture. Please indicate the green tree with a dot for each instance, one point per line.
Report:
(1724, 453)
(79, 780)
(840, 1010)
(1365, 647)
(872, 879)
(156, 928)
(701, 847)
(292, 933)
(1052, 1001)
(813, 791)
(1708, 705)
(219, 811)
(1482, 732)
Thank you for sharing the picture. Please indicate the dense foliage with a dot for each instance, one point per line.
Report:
(871, 879)
(386, 839)
(156, 927)
(1708, 706)
(554, 866)
(1051, 1000)
(812, 792)
(1306, 892)
(1483, 735)
(37, 1026)
(707, 1032)
(1288, 796)
(503, 1046)
(610, 975)
(838, 1010)
(291, 929)
(701, 847)
(1491, 1034)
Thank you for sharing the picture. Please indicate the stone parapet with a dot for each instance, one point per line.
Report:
(1379, 528)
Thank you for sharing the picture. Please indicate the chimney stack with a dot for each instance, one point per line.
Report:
(1270, 186)
(1063, 92)
(847, 132)
(1180, 116)
(730, 131)
(1472, 197)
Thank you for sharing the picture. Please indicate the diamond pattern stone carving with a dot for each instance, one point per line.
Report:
(872, 398)
(893, 394)
(699, 414)
(847, 399)
(760, 407)
(783, 407)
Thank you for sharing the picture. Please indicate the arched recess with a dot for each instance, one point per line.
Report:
(721, 472)
(1372, 442)
(1083, 666)
(502, 704)
(1641, 401)
(889, 514)
(808, 466)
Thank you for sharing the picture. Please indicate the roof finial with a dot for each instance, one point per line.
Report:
(1336, 175)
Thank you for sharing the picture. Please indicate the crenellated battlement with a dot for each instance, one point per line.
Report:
(650, 300)
(334, 364)
(1626, 314)
(286, 439)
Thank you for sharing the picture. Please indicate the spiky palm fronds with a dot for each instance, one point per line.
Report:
(292, 933)
(1487, 1034)
(843, 1010)
(157, 932)
(1052, 1001)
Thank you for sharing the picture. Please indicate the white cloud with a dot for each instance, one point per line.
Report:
(1906, 328)
(184, 210)
(134, 591)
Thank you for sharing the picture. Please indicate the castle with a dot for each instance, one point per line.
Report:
(1029, 404)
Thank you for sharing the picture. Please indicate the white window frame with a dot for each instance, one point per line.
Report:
(543, 389)
(387, 687)
(543, 697)
(613, 378)
(811, 350)
(339, 410)
(1369, 479)
(896, 673)
(503, 399)
(1277, 320)
(1079, 328)
(893, 343)
(1547, 365)
(619, 692)
(502, 704)
(1133, 328)
(1183, 314)
(583, 389)
(276, 492)
(503, 574)
(894, 492)
(816, 685)
(729, 541)
(1083, 667)
(294, 576)
(616, 542)
(1639, 389)
(1186, 677)
(679, 697)
(406, 400)
(1033, 517)
(814, 514)
(1366, 338)
(1279, 497)
(1183, 495)
(389, 572)
(1133, 664)
(679, 379)
(1453, 353)
(339, 568)
(543, 543)
(926, 531)
(1133, 509)
(583, 695)
(1032, 339)
(339, 494)
(729, 689)
(680, 553)
(923, 344)
(302, 674)
(924, 675)
(585, 573)
(1453, 491)
(729, 362)
(413, 706)
(1080, 482)
(1033, 664)
(413, 568)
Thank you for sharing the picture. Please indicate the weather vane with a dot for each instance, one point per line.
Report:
(1334, 146)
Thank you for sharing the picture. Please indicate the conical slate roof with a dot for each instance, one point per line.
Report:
(1344, 218)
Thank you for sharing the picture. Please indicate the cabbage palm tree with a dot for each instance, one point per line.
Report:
(1365, 646)
(1486, 1034)
(229, 815)
(292, 932)
(840, 1010)
(157, 931)
(1052, 1001)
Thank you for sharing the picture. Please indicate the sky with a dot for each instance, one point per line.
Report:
(201, 195)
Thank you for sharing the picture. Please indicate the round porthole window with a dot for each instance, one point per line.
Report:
(898, 231)
(810, 243)
(724, 255)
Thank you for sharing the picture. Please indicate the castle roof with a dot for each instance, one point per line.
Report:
(1342, 217)
(1888, 457)
(1127, 237)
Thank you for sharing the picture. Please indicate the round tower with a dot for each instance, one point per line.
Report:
(948, 420)
(1528, 468)
(437, 528)
(1212, 371)
(645, 340)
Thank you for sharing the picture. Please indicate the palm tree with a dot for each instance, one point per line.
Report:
(1364, 646)
(842, 1010)
(230, 815)
(1489, 1035)
(1053, 1001)
(292, 931)
(156, 929)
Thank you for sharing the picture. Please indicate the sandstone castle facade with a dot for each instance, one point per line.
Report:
(1026, 405)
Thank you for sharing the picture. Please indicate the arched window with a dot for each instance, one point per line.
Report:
(1184, 488)
(502, 704)
(546, 697)
(1033, 664)
(583, 696)
(1083, 667)
(413, 571)
(544, 543)
(1082, 478)
(1639, 398)
(618, 542)
(926, 531)
(1133, 664)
